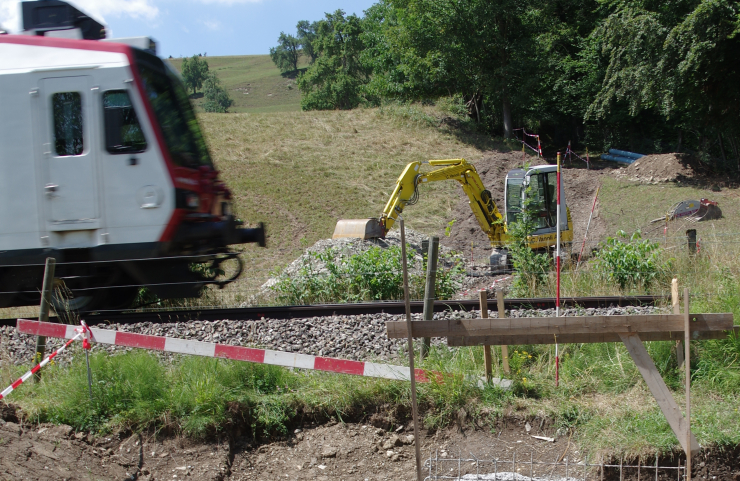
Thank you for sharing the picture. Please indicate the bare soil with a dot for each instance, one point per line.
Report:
(658, 168)
(373, 449)
(674, 167)
(580, 187)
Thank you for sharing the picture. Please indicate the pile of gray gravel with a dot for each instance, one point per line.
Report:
(347, 247)
(361, 337)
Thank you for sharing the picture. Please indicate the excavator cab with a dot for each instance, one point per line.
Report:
(539, 185)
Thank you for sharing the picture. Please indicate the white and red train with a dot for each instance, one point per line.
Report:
(103, 166)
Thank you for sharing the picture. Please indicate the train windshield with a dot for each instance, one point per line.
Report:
(175, 115)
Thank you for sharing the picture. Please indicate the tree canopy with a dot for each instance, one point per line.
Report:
(194, 72)
(644, 75)
(286, 54)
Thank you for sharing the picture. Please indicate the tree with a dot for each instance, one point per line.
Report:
(336, 78)
(194, 72)
(307, 34)
(286, 54)
(216, 97)
(479, 49)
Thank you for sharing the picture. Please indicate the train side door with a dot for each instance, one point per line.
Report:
(67, 117)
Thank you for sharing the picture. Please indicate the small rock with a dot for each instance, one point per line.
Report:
(395, 457)
(408, 439)
(329, 452)
(389, 453)
(528, 427)
(297, 431)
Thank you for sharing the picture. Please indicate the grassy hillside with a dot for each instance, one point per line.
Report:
(301, 172)
(254, 83)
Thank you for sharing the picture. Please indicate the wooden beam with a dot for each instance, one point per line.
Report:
(660, 391)
(532, 326)
(582, 338)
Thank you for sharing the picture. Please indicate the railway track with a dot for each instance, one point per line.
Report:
(324, 310)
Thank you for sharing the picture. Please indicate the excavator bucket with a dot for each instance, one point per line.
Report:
(358, 229)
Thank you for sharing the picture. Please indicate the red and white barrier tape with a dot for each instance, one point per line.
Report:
(80, 332)
(537, 150)
(493, 286)
(225, 351)
(568, 151)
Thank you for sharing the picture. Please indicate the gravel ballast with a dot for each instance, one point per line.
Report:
(361, 337)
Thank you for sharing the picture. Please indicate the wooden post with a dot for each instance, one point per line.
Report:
(691, 237)
(501, 315)
(46, 289)
(412, 371)
(486, 349)
(686, 341)
(676, 310)
(429, 290)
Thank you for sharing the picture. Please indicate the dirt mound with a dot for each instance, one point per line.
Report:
(466, 235)
(658, 168)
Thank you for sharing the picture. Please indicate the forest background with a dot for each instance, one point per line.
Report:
(643, 75)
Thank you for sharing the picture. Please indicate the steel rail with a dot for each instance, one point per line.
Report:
(326, 310)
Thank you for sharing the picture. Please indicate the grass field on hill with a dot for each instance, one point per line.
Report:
(301, 172)
(253, 82)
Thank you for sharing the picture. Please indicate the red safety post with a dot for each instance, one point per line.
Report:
(557, 274)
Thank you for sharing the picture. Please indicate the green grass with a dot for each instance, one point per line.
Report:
(630, 206)
(601, 398)
(253, 82)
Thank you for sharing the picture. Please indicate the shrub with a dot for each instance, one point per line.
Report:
(373, 275)
(217, 99)
(630, 264)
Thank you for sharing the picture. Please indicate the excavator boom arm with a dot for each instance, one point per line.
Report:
(481, 202)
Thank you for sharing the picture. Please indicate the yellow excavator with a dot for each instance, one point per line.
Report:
(538, 182)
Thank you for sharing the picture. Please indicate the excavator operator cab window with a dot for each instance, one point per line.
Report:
(514, 195)
(542, 190)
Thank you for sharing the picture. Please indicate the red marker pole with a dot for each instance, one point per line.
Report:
(557, 275)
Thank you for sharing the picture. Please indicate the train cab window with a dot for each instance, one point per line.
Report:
(123, 134)
(67, 118)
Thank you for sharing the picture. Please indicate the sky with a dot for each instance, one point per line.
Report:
(188, 27)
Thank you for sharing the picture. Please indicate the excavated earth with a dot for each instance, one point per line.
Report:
(375, 448)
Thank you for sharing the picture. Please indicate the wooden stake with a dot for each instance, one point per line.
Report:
(412, 371)
(686, 342)
(486, 349)
(676, 310)
(46, 289)
(502, 315)
(429, 290)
